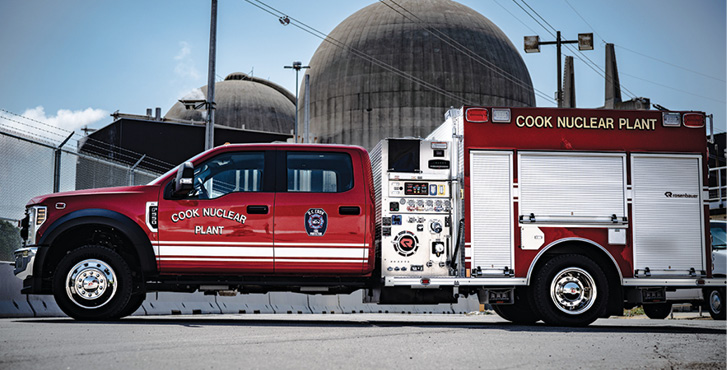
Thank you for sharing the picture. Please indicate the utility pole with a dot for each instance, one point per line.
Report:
(297, 66)
(532, 45)
(209, 135)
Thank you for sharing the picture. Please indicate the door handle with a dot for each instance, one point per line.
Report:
(349, 210)
(257, 210)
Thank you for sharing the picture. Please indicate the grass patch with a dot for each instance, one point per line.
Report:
(636, 311)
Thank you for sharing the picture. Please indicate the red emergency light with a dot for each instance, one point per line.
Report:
(479, 115)
(693, 120)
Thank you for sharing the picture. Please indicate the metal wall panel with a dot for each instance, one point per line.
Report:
(491, 210)
(577, 185)
(667, 212)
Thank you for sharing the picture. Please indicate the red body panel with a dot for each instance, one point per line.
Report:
(341, 249)
(585, 130)
(128, 200)
(193, 245)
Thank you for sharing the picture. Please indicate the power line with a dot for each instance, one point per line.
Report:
(516, 18)
(673, 88)
(465, 50)
(643, 55)
(671, 64)
(327, 38)
(91, 142)
(590, 63)
(584, 20)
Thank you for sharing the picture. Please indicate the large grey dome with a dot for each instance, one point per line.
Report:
(246, 101)
(354, 101)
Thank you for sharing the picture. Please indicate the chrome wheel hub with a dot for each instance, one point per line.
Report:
(715, 302)
(91, 283)
(573, 291)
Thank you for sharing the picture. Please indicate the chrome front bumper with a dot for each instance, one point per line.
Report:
(24, 261)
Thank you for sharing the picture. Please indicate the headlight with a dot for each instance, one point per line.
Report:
(36, 217)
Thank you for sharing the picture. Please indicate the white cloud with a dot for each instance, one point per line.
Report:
(185, 67)
(65, 118)
(184, 52)
(195, 94)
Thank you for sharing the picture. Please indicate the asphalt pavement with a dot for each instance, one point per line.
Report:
(359, 341)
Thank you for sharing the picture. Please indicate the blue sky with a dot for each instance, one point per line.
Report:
(72, 63)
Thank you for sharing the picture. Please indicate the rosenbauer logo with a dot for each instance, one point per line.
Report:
(669, 194)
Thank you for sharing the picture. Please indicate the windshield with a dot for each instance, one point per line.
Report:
(719, 239)
(174, 169)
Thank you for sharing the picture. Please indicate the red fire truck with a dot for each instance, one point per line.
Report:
(560, 215)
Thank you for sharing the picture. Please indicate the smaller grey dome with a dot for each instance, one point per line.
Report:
(245, 101)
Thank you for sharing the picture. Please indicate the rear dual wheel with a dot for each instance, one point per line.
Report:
(569, 290)
(714, 302)
(521, 311)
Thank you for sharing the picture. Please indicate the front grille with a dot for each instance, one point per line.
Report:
(24, 227)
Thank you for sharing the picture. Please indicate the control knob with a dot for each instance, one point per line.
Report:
(436, 227)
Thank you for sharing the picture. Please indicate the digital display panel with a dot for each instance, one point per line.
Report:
(416, 188)
(404, 155)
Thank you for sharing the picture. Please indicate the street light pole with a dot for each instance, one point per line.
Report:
(297, 66)
(209, 135)
(532, 45)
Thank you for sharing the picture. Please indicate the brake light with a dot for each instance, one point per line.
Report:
(693, 120)
(477, 115)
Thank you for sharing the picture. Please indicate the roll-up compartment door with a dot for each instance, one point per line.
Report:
(572, 188)
(491, 211)
(668, 215)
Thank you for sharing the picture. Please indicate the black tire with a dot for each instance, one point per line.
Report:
(134, 303)
(520, 312)
(657, 311)
(92, 283)
(569, 290)
(714, 302)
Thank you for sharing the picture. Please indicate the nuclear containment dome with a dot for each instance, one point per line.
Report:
(392, 69)
(248, 102)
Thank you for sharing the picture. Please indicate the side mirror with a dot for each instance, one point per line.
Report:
(184, 182)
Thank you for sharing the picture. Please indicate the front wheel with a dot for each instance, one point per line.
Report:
(657, 311)
(714, 302)
(570, 290)
(92, 283)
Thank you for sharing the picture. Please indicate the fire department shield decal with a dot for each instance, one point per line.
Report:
(316, 222)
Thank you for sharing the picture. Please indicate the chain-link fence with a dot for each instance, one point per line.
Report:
(30, 167)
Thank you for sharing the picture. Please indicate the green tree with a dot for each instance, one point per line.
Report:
(9, 240)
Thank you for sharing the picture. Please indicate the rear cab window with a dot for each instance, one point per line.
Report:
(319, 172)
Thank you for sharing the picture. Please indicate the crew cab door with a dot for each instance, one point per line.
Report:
(319, 213)
(225, 225)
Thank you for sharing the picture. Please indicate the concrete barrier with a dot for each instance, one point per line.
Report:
(353, 303)
(169, 303)
(45, 306)
(466, 305)
(12, 303)
(325, 304)
(245, 303)
(289, 303)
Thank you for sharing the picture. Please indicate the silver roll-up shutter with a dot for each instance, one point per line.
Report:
(668, 219)
(572, 187)
(491, 211)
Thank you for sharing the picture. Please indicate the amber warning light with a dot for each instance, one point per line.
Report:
(477, 115)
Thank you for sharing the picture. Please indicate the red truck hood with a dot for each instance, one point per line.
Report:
(92, 192)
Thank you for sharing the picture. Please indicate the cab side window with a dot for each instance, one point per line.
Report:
(319, 172)
(229, 173)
